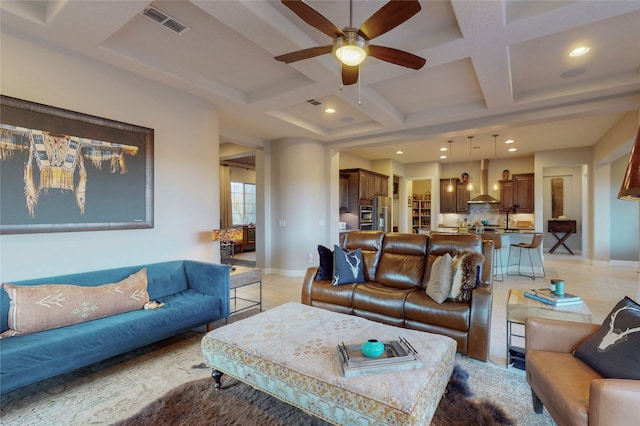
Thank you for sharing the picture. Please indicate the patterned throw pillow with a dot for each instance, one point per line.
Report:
(36, 308)
(440, 279)
(347, 266)
(614, 350)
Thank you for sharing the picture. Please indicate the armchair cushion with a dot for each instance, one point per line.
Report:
(614, 350)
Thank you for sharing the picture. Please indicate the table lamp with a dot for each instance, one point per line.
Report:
(227, 248)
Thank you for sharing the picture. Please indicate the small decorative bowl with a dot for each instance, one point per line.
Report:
(372, 348)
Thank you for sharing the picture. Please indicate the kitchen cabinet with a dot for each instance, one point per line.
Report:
(523, 187)
(462, 196)
(369, 184)
(381, 185)
(456, 201)
(519, 190)
(344, 193)
(506, 195)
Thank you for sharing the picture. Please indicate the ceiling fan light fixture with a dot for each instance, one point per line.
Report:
(351, 49)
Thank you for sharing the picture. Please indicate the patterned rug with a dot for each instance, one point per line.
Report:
(120, 387)
(236, 403)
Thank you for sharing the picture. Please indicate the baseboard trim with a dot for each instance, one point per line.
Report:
(625, 263)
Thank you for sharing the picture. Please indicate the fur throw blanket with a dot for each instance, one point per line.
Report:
(469, 267)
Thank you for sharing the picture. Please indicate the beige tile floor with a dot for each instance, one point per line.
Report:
(599, 285)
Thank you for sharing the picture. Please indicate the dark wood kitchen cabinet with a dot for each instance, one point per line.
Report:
(456, 201)
(462, 196)
(506, 195)
(368, 185)
(344, 193)
(519, 190)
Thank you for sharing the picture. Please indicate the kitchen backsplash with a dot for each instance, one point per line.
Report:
(489, 212)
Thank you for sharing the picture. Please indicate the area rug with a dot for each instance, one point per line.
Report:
(236, 403)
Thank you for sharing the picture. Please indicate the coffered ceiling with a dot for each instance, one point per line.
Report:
(492, 67)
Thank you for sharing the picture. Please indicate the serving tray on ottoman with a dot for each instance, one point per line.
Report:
(290, 352)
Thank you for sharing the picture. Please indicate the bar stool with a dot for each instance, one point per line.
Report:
(534, 245)
(497, 255)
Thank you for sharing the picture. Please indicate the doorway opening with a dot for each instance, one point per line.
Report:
(238, 201)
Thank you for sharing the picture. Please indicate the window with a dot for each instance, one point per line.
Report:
(243, 203)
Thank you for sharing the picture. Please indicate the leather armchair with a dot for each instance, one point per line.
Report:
(572, 392)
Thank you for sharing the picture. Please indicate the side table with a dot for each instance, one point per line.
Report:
(567, 227)
(243, 276)
(521, 308)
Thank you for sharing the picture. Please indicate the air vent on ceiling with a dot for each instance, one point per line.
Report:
(165, 20)
(314, 102)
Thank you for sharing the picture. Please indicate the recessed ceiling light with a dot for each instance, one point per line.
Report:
(444, 148)
(329, 110)
(399, 152)
(579, 51)
(513, 149)
(442, 157)
(509, 141)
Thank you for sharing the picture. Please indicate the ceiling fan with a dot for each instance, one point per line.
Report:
(351, 45)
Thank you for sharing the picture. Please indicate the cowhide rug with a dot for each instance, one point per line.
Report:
(196, 403)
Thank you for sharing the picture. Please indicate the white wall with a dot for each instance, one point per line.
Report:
(301, 187)
(186, 183)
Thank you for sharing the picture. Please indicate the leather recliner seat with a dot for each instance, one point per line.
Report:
(397, 268)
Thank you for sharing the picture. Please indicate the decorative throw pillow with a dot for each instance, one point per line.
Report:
(466, 265)
(325, 269)
(614, 350)
(36, 308)
(347, 266)
(440, 279)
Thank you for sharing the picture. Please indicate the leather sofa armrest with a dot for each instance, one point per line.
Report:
(556, 336)
(310, 275)
(487, 266)
(480, 327)
(613, 401)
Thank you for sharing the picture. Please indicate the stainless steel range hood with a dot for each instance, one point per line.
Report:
(484, 197)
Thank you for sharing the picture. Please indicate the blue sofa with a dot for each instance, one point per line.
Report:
(194, 294)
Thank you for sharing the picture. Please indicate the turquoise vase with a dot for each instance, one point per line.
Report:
(372, 348)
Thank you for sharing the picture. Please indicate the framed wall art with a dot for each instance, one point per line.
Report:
(64, 171)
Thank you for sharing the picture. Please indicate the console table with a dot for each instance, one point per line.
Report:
(566, 227)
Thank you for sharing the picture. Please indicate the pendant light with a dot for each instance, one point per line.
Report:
(495, 166)
(630, 189)
(450, 186)
(469, 184)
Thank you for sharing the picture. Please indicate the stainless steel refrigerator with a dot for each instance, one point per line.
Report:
(382, 213)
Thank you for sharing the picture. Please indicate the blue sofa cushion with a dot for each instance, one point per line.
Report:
(33, 357)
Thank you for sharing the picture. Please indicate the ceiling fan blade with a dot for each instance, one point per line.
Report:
(398, 57)
(313, 17)
(304, 54)
(350, 74)
(388, 17)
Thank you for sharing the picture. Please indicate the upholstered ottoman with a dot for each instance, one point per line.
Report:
(290, 353)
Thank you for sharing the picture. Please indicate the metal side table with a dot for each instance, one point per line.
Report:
(521, 308)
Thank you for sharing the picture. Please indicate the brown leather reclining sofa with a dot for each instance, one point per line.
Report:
(396, 270)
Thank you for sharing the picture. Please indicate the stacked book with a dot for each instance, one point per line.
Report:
(545, 295)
